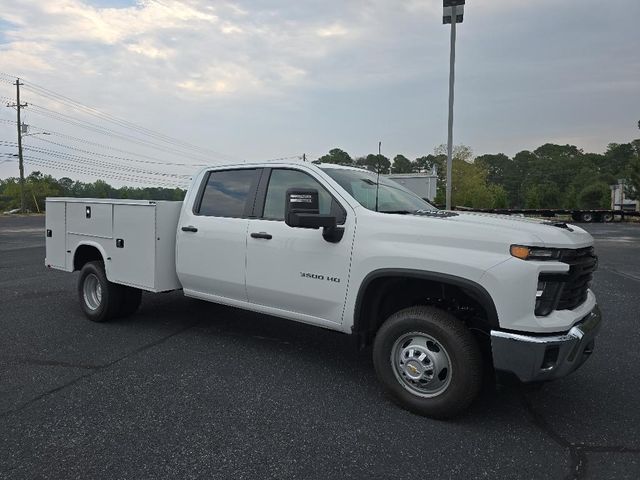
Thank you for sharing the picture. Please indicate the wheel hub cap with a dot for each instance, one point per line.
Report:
(421, 364)
(92, 291)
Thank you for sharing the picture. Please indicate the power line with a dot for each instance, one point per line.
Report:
(45, 92)
(65, 167)
(106, 147)
(39, 110)
(100, 163)
(84, 161)
(115, 157)
(51, 95)
(109, 147)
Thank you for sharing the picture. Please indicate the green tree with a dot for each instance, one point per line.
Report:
(336, 156)
(632, 189)
(375, 163)
(596, 195)
(618, 157)
(532, 197)
(496, 166)
(401, 164)
(427, 163)
(470, 187)
(502, 171)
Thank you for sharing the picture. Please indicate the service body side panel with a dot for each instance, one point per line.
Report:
(135, 238)
(88, 218)
(167, 215)
(134, 263)
(56, 238)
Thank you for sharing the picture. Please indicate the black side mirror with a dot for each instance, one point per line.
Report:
(302, 210)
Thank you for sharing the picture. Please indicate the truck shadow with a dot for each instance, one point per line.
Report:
(267, 336)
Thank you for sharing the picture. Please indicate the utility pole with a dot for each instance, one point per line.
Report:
(18, 106)
(453, 14)
(452, 63)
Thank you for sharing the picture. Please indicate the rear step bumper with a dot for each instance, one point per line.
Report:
(534, 358)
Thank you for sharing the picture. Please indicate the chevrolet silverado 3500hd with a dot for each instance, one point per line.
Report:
(435, 292)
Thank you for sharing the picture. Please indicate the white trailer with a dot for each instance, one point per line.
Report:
(422, 184)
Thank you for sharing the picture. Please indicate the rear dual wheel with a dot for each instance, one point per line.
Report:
(102, 300)
(428, 362)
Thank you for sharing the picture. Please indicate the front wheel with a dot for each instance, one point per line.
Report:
(100, 299)
(428, 361)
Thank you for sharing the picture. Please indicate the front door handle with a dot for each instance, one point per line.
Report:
(189, 228)
(264, 235)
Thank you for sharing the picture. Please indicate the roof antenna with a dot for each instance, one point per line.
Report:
(378, 172)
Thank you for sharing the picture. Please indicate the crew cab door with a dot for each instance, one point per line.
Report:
(212, 235)
(295, 271)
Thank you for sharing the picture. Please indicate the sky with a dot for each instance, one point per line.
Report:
(258, 79)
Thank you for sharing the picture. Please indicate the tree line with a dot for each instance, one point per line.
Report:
(551, 176)
(39, 186)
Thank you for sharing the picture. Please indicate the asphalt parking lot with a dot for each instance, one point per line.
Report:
(186, 389)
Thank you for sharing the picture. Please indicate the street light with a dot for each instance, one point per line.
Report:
(453, 11)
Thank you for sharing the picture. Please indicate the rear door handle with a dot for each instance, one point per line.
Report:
(264, 235)
(189, 228)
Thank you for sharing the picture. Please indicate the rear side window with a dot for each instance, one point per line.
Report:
(226, 193)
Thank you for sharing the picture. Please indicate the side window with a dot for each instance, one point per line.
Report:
(226, 193)
(280, 181)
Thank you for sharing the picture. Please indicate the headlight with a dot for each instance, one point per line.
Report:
(534, 253)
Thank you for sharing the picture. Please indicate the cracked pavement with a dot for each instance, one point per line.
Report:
(187, 389)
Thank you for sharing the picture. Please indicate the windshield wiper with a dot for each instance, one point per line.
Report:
(399, 212)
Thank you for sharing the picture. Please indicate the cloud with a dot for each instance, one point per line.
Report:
(267, 78)
(147, 48)
(335, 30)
(224, 49)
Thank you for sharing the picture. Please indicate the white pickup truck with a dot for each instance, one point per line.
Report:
(439, 294)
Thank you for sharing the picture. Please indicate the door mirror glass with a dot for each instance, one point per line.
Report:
(302, 209)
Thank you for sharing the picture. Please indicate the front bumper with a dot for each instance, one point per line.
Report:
(534, 358)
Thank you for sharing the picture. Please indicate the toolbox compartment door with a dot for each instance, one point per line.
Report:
(56, 235)
(133, 249)
(92, 219)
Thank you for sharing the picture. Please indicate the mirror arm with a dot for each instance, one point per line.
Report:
(333, 234)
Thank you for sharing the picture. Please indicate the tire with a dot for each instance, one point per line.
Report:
(452, 359)
(131, 299)
(100, 299)
(607, 217)
(586, 217)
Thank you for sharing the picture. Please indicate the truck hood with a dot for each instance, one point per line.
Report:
(548, 233)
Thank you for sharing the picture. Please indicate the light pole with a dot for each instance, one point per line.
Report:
(453, 11)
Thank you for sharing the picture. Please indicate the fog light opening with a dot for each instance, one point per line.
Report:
(588, 350)
(550, 358)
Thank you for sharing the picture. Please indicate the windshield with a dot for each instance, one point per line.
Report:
(392, 197)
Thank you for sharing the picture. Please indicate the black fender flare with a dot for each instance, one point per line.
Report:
(474, 289)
